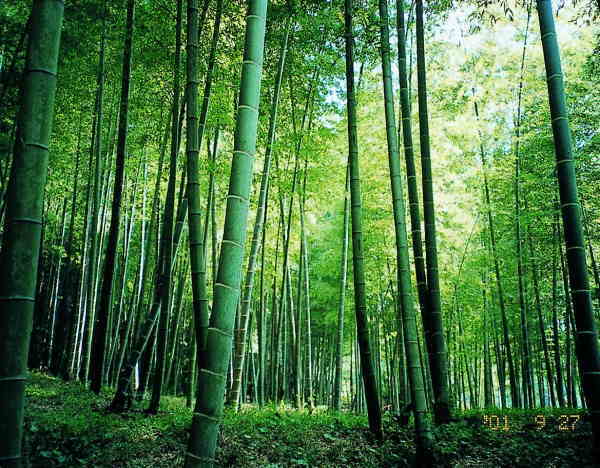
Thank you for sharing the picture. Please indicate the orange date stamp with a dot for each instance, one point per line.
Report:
(565, 422)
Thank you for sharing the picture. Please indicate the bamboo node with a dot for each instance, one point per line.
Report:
(214, 374)
(226, 286)
(27, 220)
(202, 459)
(581, 291)
(17, 298)
(36, 145)
(224, 333)
(243, 152)
(550, 33)
(237, 244)
(246, 106)
(206, 416)
(553, 76)
(14, 378)
(238, 197)
(42, 70)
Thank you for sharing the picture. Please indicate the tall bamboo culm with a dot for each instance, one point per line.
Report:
(423, 436)
(197, 125)
(586, 333)
(23, 224)
(240, 338)
(362, 326)
(432, 321)
(339, 354)
(212, 375)
(101, 318)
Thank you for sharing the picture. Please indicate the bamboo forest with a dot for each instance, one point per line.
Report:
(280, 233)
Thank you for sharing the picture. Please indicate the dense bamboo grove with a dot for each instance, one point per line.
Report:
(229, 202)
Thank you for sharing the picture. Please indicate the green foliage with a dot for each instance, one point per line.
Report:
(523, 444)
(456, 62)
(62, 425)
(67, 427)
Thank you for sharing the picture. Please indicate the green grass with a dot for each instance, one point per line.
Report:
(68, 427)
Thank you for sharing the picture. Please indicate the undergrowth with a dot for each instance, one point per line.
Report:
(67, 426)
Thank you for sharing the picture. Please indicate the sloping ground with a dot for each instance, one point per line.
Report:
(67, 427)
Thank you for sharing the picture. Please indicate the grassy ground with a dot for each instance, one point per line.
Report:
(67, 427)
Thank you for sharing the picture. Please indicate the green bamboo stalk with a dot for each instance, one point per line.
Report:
(274, 352)
(146, 324)
(175, 322)
(137, 296)
(368, 374)
(555, 330)
(240, 335)
(212, 378)
(285, 305)
(196, 126)
(166, 248)
(594, 264)
(527, 381)
(587, 336)
(70, 283)
(337, 386)
(261, 318)
(101, 318)
(488, 382)
(95, 205)
(24, 206)
(568, 332)
(433, 326)
(303, 290)
(411, 172)
(540, 317)
(423, 436)
(514, 387)
(306, 283)
(309, 374)
(74, 365)
(120, 326)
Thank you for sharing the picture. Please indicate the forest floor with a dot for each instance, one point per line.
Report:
(67, 426)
